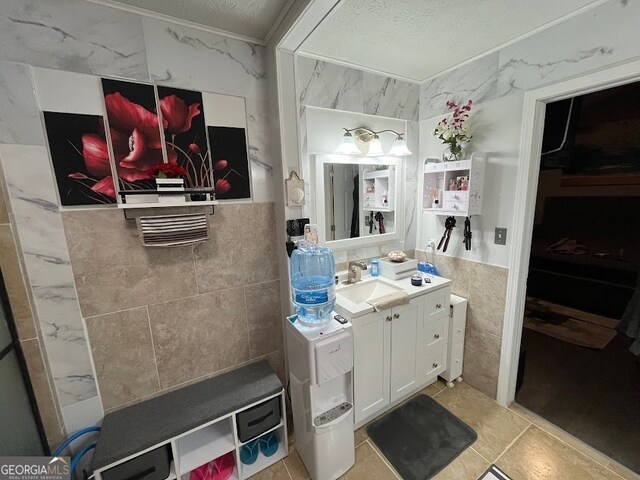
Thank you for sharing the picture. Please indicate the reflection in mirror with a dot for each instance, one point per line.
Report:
(359, 200)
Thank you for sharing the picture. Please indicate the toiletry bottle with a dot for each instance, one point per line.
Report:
(384, 199)
(375, 267)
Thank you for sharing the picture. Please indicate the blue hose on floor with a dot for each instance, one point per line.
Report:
(79, 433)
(76, 459)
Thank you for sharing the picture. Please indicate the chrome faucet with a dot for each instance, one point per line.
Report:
(355, 271)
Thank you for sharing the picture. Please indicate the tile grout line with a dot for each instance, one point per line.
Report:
(383, 458)
(480, 455)
(153, 347)
(511, 444)
(246, 319)
(287, 468)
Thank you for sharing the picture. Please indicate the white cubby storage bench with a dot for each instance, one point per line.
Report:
(181, 430)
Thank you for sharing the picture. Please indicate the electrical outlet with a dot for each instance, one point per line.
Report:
(501, 236)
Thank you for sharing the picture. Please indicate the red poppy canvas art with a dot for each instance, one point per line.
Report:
(134, 130)
(80, 158)
(185, 134)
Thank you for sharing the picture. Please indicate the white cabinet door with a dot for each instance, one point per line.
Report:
(404, 329)
(371, 363)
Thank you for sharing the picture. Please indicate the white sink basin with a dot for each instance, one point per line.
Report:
(366, 290)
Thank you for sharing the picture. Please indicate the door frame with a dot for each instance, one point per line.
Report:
(525, 204)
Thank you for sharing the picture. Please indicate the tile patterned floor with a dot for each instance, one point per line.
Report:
(523, 445)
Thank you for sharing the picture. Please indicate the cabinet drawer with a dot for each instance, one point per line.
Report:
(456, 196)
(437, 303)
(455, 206)
(435, 333)
(435, 362)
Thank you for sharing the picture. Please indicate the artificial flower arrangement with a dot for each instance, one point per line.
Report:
(453, 130)
(166, 170)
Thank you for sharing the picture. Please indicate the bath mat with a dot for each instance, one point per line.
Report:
(421, 437)
(494, 473)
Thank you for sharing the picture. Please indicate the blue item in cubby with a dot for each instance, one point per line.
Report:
(269, 444)
(249, 452)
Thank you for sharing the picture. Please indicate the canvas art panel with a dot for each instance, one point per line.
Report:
(80, 158)
(134, 132)
(232, 179)
(185, 134)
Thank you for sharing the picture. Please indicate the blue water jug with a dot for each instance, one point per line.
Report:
(313, 269)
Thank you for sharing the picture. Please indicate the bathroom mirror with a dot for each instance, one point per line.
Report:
(357, 198)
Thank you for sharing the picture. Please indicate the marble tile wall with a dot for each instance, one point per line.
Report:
(161, 318)
(485, 286)
(603, 36)
(73, 35)
(28, 332)
(82, 37)
(38, 224)
(328, 85)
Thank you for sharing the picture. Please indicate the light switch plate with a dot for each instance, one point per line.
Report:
(501, 236)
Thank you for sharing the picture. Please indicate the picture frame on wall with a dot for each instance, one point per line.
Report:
(110, 152)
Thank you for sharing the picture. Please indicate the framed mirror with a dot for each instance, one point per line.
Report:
(358, 200)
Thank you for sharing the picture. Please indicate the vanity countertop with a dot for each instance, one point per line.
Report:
(352, 310)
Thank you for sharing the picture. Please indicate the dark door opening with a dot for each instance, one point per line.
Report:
(578, 368)
(21, 431)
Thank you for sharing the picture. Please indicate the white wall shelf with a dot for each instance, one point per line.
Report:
(438, 178)
(383, 184)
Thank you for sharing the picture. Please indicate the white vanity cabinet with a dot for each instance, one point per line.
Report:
(398, 351)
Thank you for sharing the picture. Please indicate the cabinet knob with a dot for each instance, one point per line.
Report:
(396, 315)
(435, 365)
(388, 318)
(438, 305)
(436, 336)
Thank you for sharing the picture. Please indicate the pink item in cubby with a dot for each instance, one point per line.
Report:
(223, 466)
(203, 472)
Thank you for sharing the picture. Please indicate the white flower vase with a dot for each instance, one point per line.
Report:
(169, 190)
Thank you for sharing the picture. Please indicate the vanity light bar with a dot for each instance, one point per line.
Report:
(348, 145)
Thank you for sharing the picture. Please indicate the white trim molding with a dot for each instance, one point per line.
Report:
(525, 203)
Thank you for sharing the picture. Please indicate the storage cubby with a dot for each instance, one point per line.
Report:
(439, 180)
(204, 445)
(263, 461)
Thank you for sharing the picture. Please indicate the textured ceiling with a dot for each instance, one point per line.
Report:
(420, 38)
(249, 18)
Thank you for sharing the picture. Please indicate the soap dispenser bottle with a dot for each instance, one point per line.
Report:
(375, 267)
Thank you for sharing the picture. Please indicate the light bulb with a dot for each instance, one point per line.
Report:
(375, 147)
(347, 145)
(399, 148)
